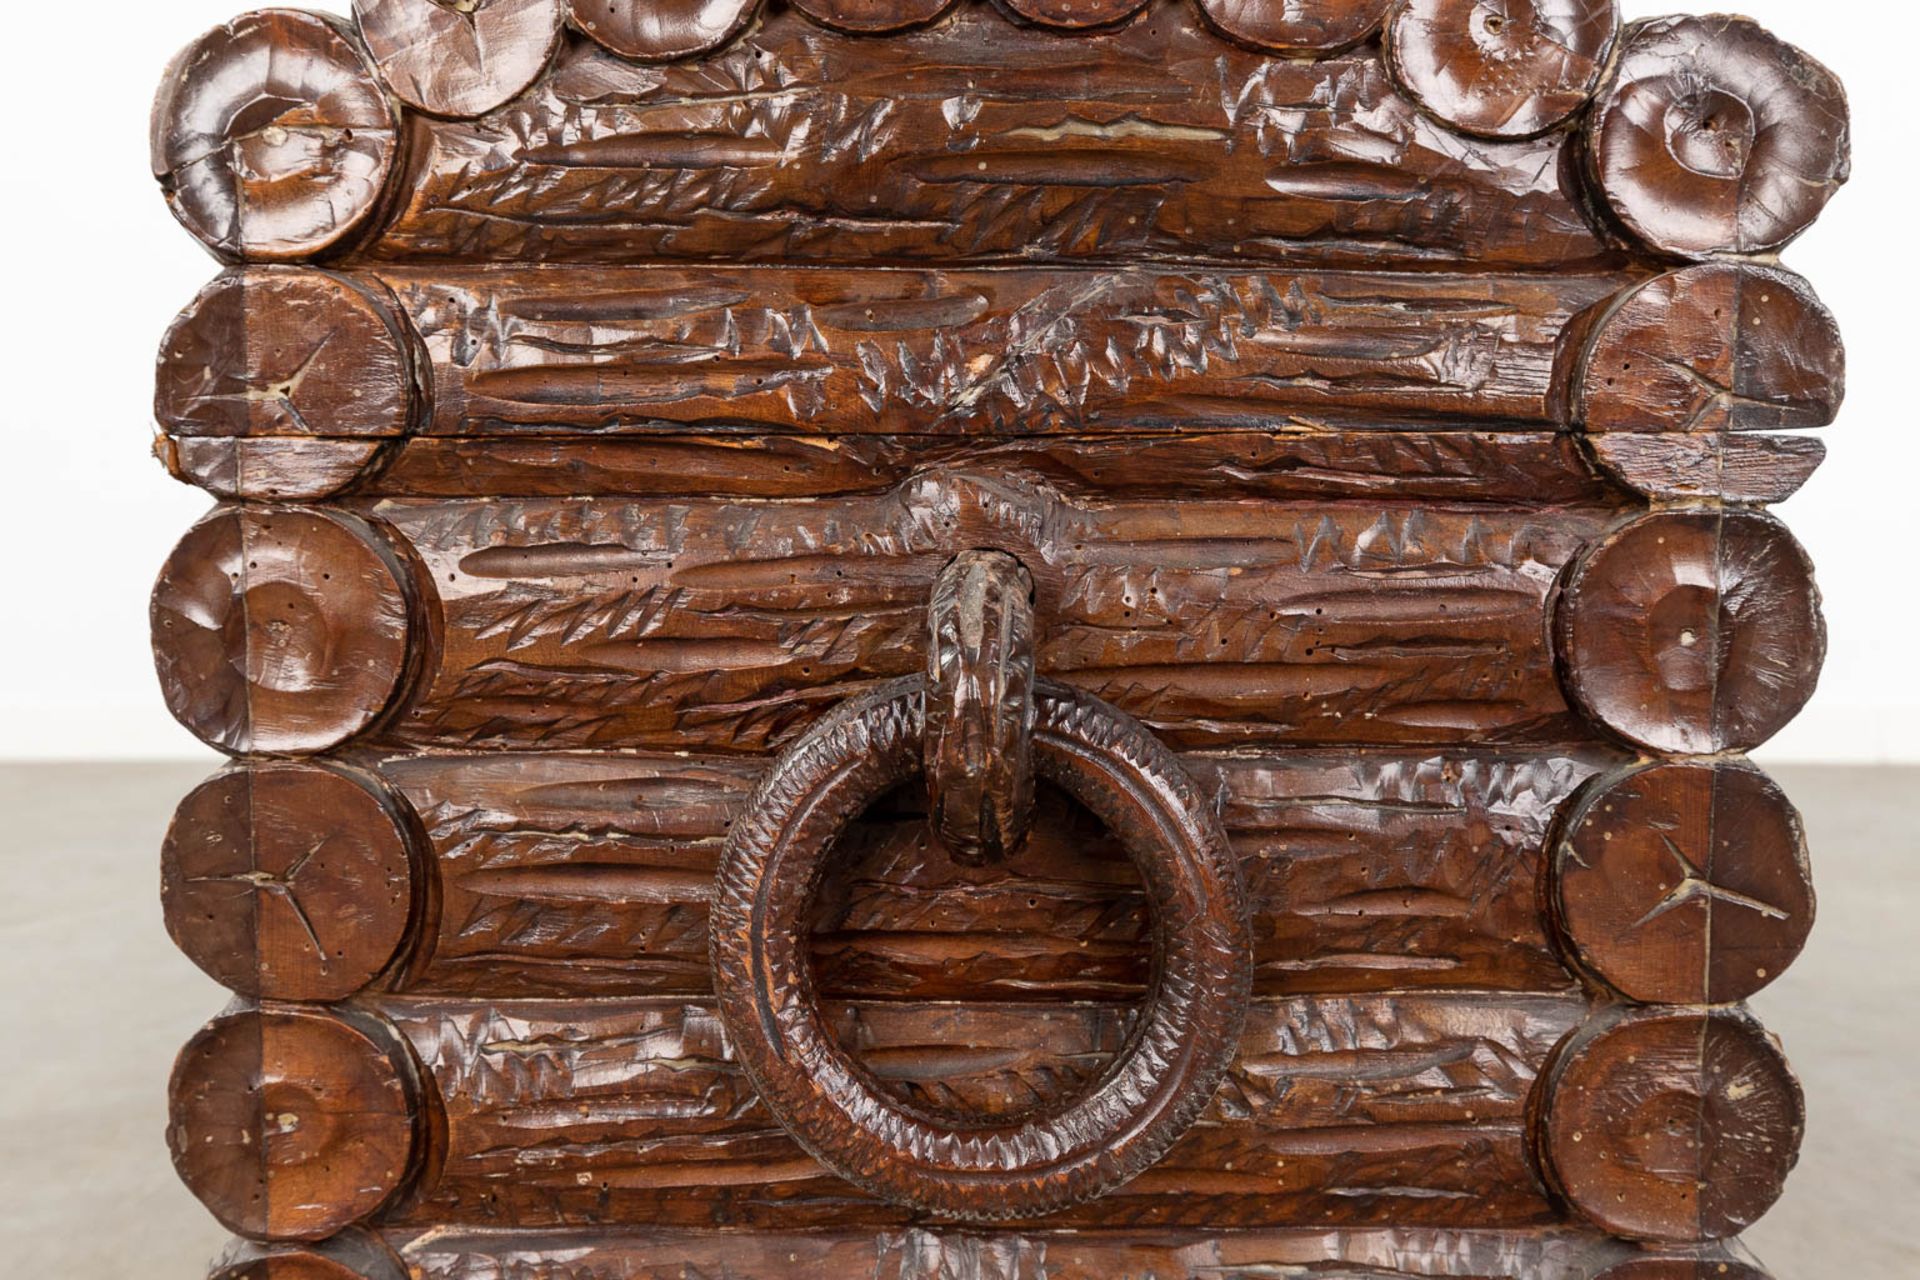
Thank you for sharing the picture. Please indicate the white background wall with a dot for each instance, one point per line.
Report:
(95, 269)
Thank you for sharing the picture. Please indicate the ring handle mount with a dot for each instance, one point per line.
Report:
(980, 707)
(1033, 1164)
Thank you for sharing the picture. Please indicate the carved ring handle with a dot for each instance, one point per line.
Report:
(980, 710)
(1156, 1087)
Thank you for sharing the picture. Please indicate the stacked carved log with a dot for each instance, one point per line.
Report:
(1364, 433)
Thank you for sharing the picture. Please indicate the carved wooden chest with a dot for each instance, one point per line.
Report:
(1086, 639)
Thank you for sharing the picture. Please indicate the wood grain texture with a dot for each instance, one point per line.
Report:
(872, 16)
(291, 1124)
(1347, 415)
(1693, 631)
(280, 629)
(1404, 1111)
(1713, 349)
(460, 59)
(1455, 468)
(271, 137)
(1080, 1146)
(273, 470)
(980, 707)
(1502, 70)
(289, 352)
(1365, 872)
(1314, 27)
(976, 139)
(289, 881)
(662, 30)
(1677, 370)
(921, 1253)
(987, 352)
(1684, 883)
(1075, 15)
(728, 626)
(1717, 137)
(1671, 1125)
(351, 1255)
(1707, 1266)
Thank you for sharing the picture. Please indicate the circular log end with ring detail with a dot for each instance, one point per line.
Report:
(272, 138)
(292, 1123)
(1501, 68)
(1159, 1084)
(280, 630)
(1692, 632)
(1717, 137)
(351, 1255)
(980, 711)
(1671, 1125)
(1305, 28)
(463, 58)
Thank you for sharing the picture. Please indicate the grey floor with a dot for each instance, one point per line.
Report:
(99, 1002)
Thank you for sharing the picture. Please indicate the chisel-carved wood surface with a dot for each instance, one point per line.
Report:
(929, 639)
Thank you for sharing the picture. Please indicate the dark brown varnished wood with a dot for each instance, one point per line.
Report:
(1373, 1111)
(460, 58)
(285, 352)
(1671, 1125)
(1717, 137)
(282, 630)
(271, 137)
(980, 706)
(1684, 883)
(289, 881)
(351, 1255)
(1693, 632)
(870, 16)
(1074, 15)
(290, 1124)
(1081, 1147)
(1251, 623)
(1009, 143)
(1371, 872)
(1133, 619)
(1296, 26)
(661, 30)
(1512, 69)
(1042, 1255)
(989, 352)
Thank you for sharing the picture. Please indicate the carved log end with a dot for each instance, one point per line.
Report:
(1315, 27)
(351, 1255)
(1671, 1126)
(279, 630)
(282, 351)
(871, 17)
(460, 60)
(1718, 348)
(291, 1124)
(1074, 15)
(1692, 632)
(269, 470)
(272, 137)
(1705, 1267)
(1717, 137)
(1510, 70)
(288, 881)
(1730, 468)
(1684, 883)
(662, 30)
